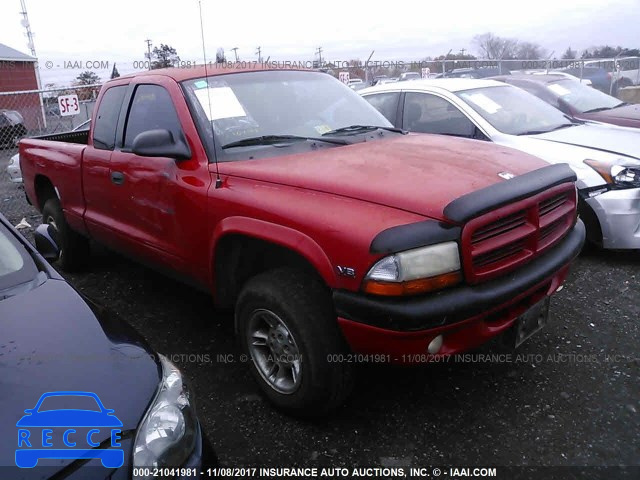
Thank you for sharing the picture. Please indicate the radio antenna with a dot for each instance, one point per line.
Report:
(206, 74)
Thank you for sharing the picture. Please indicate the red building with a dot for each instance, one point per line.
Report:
(17, 74)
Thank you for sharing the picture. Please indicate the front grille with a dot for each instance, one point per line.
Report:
(506, 238)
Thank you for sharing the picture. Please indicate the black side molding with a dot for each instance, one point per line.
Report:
(413, 235)
(489, 198)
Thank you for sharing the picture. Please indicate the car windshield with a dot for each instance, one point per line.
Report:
(513, 111)
(304, 104)
(582, 98)
(16, 266)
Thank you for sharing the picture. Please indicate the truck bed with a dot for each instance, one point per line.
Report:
(80, 137)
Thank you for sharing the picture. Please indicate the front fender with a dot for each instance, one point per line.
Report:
(277, 234)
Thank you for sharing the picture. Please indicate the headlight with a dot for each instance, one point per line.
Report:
(415, 271)
(167, 435)
(622, 173)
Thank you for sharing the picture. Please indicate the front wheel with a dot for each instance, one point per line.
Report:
(288, 330)
(74, 248)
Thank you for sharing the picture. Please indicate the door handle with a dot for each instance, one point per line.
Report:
(117, 178)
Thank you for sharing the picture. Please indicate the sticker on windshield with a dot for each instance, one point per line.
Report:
(322, 129)
(484, 102)
(224, 103)
(201, 84)
(558, 89)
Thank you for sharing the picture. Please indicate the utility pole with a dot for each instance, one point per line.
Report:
(32, 49)
(235, 52)
(148, 41)
(462, 50)
(319, 52)
(258, 52)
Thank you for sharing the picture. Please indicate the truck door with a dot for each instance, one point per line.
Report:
(96, 183)
(158, 203)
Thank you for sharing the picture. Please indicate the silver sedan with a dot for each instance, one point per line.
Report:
(605, 158)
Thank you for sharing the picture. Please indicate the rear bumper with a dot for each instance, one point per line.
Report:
(618, 212)
(466, 316)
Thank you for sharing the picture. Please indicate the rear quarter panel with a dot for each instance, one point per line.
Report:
(60, 163)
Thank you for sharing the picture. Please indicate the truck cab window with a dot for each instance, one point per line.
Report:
(104, 132)
(151, 109)
(426, 113)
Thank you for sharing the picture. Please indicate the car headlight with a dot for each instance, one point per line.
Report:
(420, 270)
(167, 434)
(621, 173)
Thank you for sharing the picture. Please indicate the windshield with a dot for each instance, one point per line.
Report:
(581, 97)
(513, 111)
(16, 266)
(274, 103)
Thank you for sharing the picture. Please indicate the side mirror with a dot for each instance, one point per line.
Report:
(160, 143)
(46, 242)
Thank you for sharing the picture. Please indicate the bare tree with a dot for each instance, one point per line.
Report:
(569, 54)
(356, 70)
(493, 47)
(530, 51)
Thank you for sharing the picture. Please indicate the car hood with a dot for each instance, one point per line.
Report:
(417, 173)
(606, 138)
(628, 116)
(50, 340)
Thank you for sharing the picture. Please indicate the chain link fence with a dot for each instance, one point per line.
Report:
(39, 112)
(606, 74)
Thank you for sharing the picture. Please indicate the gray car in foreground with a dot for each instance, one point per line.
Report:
(605, 158)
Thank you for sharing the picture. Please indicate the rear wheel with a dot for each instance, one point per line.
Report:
(74, 248)
(288, 330)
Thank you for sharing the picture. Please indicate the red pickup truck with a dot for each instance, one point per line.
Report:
(337, 238)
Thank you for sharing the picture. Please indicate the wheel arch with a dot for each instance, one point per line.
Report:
(44, 190)
(243, 247)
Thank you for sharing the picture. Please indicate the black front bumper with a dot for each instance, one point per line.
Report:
(459, 303)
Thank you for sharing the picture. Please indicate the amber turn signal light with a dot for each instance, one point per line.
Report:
(412, 287)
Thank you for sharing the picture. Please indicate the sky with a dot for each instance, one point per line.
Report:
(68, 32)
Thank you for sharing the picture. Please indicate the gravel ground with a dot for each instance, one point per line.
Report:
(569, 396)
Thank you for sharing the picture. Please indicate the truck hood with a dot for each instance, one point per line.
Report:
(606, 138)
(416, 173)
(52, 341)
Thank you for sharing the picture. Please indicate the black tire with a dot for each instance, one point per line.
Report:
(592, 225)
(304, 306)
(74, 248)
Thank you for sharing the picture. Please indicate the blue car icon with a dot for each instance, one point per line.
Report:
(31, 448)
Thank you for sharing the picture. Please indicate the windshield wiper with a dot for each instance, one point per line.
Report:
(275, 139)
(621, 104)
(361, 128)
(599, 109)
(537, 132)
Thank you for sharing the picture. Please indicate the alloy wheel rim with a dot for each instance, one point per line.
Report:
(274, 351)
